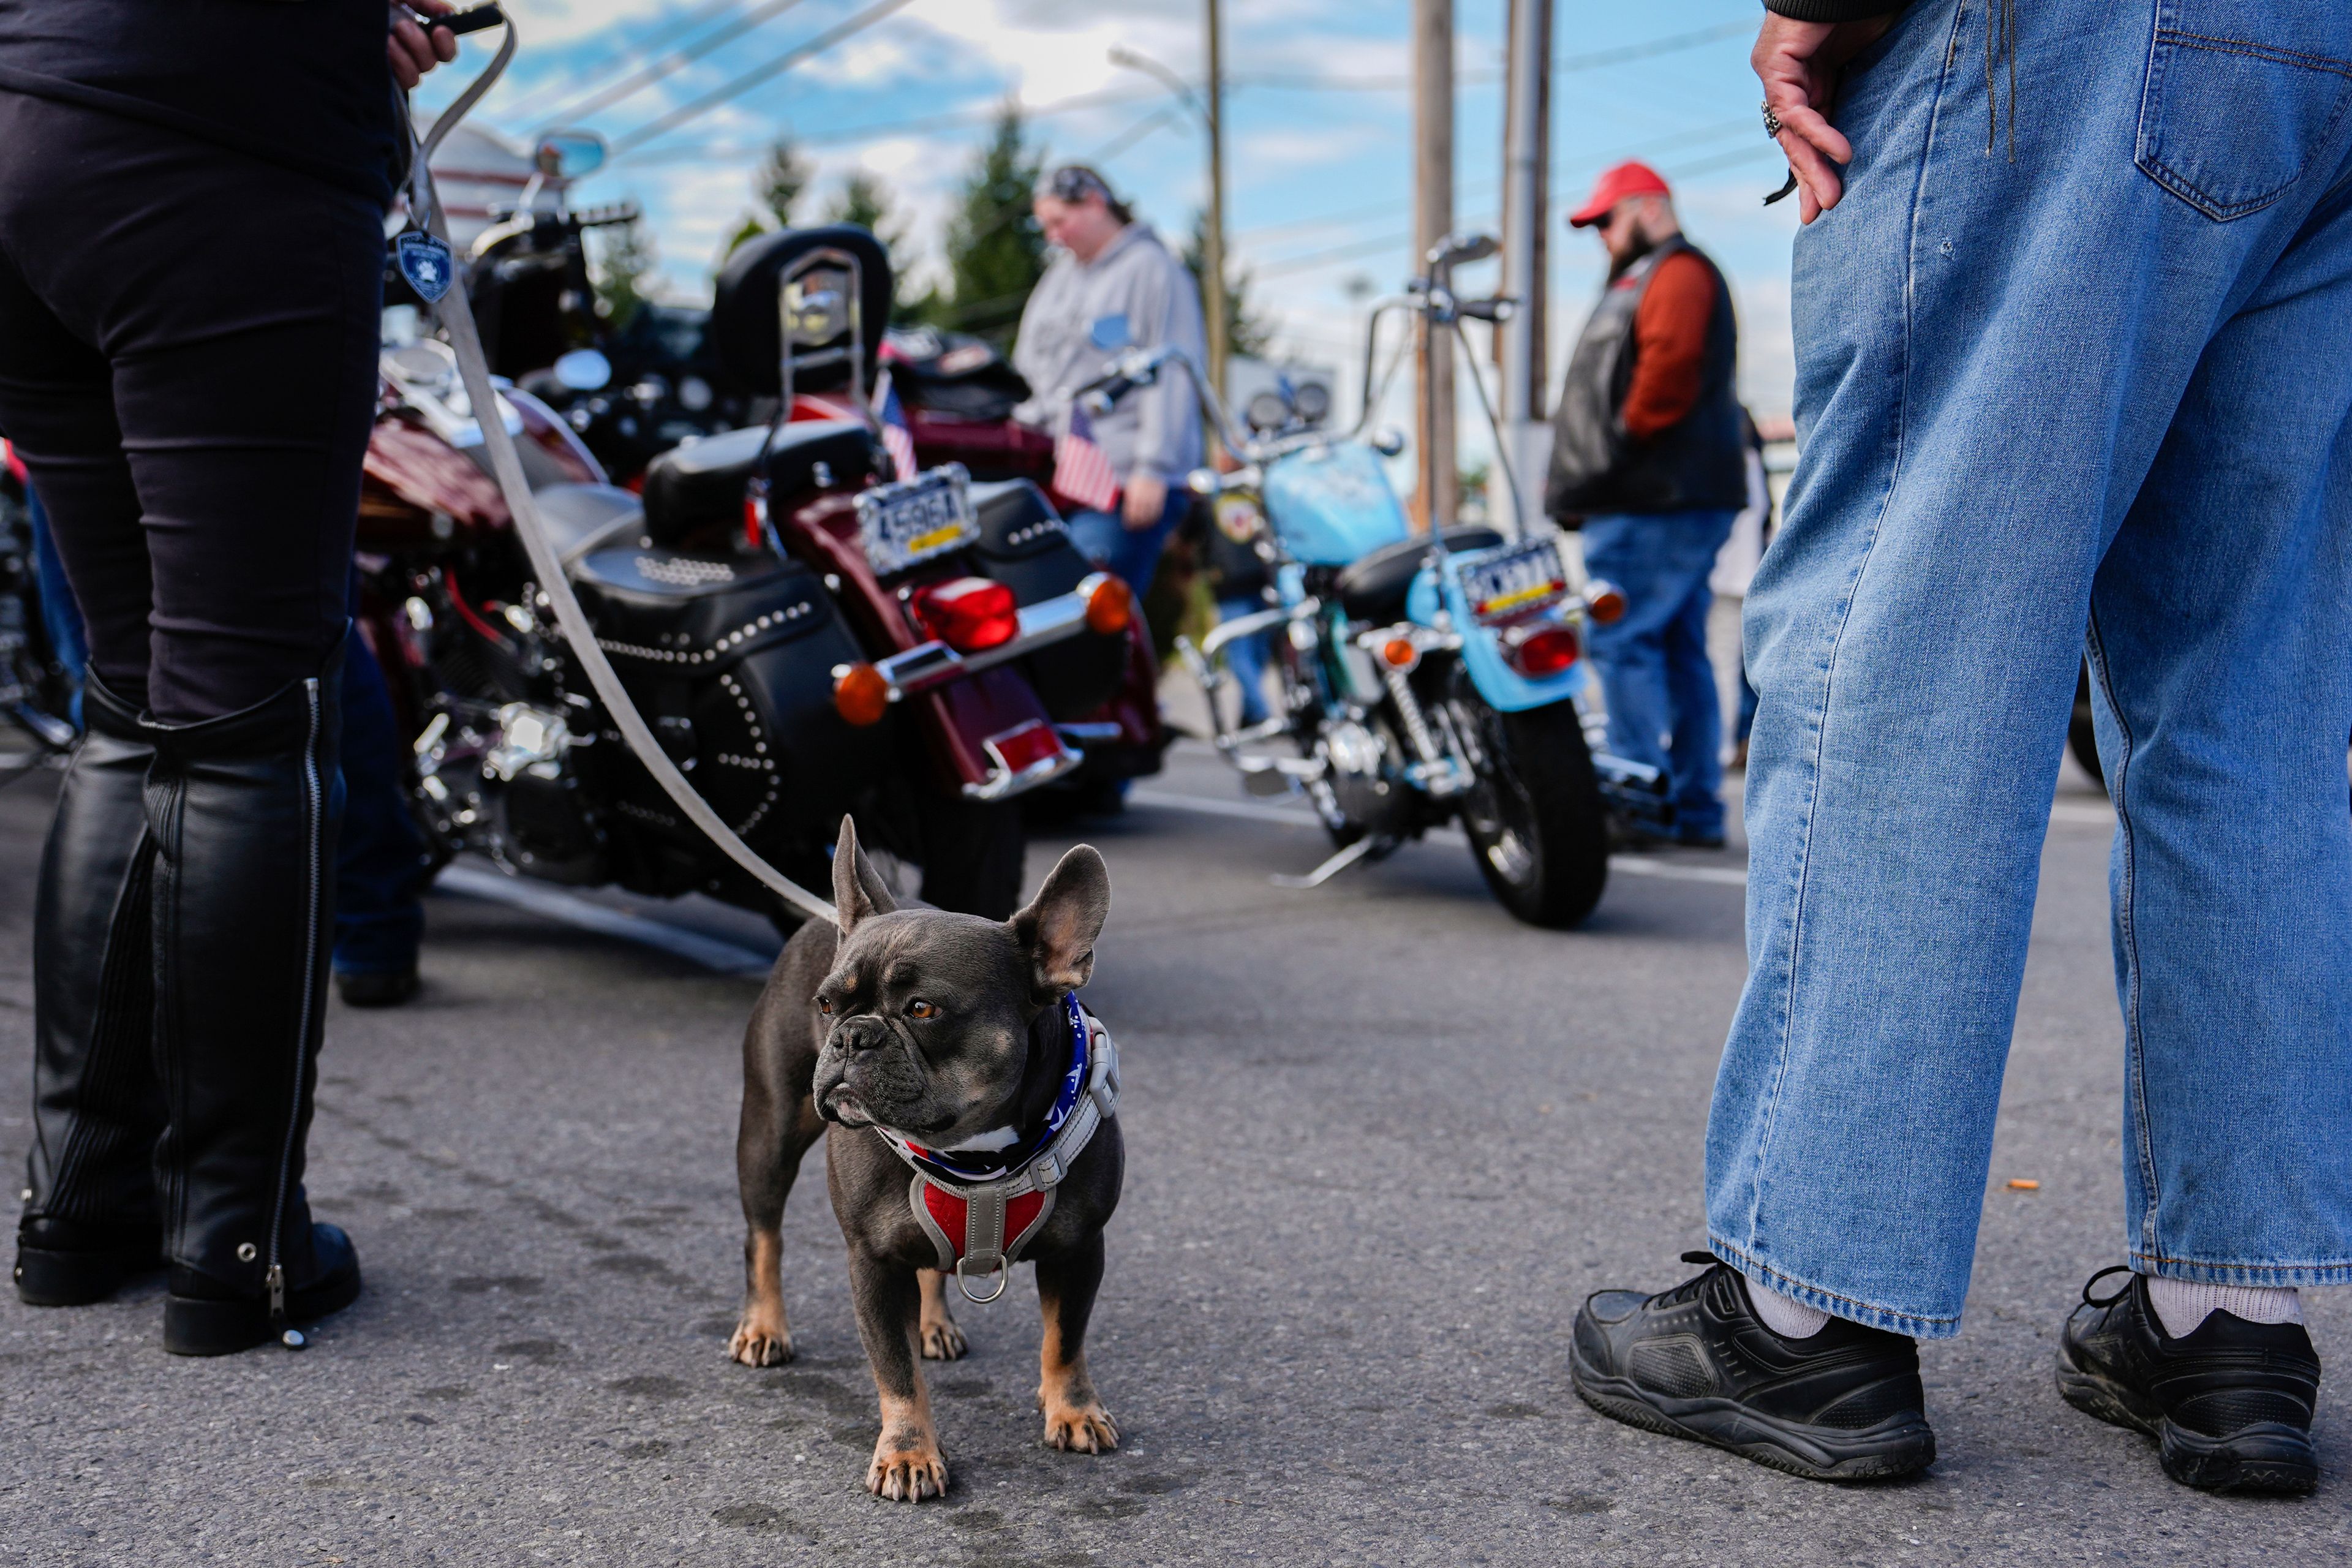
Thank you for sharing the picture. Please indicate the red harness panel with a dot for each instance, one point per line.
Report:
(951, 1212)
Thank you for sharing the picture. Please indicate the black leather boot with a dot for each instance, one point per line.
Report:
(244, 811)
(89, 1205)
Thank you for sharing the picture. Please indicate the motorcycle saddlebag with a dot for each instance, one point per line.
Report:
(1024, 546)
(730, 659)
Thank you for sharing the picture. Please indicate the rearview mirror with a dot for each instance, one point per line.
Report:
(1388, 441)
(584, 370)
(566, 153)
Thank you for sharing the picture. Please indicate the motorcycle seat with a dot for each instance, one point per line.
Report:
(700, 485)
(1373, 587)
(585, 518)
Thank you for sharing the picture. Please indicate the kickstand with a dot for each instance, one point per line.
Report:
(1363, 848)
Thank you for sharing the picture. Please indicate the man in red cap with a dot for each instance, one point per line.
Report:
(1647, 459)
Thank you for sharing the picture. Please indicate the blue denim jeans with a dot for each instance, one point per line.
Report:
(2102, 388)
(1664, 709)
(1131, 554)
(1245, 657)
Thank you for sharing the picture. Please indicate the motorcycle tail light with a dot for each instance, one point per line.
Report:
(1546, 651)
(1111, 605)
(1400, 653)
(969, 614)
(1605, 603)
(860, 695)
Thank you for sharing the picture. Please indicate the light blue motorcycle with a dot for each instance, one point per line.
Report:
(1425, 678)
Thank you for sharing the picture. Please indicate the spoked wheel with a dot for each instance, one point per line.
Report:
(1537, 825)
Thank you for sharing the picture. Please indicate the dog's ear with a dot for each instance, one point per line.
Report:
(1058, 929)
(859, 889)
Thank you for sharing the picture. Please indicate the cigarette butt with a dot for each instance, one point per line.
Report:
(2023, 1184)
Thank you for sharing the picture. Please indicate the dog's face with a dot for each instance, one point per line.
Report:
(926, 1014)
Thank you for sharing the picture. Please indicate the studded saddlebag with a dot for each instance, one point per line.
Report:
(730, 659)
(1024, 544)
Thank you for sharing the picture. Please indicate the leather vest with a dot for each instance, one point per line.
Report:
(1697, 464)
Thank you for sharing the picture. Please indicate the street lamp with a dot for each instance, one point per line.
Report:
(1212, 115)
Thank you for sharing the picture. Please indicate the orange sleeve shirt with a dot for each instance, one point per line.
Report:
(1669, 345)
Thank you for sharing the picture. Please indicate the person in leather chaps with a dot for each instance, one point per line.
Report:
(190, 272)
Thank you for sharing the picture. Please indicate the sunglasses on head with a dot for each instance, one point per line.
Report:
(1076, 184)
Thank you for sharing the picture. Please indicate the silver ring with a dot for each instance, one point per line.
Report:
(1771, 124)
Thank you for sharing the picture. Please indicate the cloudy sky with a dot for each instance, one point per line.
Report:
(1317, 141)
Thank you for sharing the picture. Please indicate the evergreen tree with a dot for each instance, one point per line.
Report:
(865, 200)
(621, 262)
(781, 179)
(1247, 333)
(994, 252)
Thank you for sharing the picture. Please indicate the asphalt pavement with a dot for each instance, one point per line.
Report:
(1381, 1140)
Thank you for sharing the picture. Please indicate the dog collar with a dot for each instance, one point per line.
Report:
(980, 1220)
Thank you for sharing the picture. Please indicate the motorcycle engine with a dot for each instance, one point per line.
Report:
(498, 781)
(1365, 771)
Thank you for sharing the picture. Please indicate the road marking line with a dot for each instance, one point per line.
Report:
(567, 909)
(2083, 812)
(1640, 865)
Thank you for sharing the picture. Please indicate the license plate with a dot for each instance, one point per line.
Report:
(915, 520)
(1509, 582)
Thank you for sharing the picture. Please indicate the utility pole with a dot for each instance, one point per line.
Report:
(1437, 498)
(1212, 248)
(1520, 342)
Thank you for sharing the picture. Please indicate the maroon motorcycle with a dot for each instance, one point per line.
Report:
(807, 631)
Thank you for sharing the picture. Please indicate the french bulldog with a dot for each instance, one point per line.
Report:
(953, 1035)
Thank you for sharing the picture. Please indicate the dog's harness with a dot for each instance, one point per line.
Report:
(980, 1220)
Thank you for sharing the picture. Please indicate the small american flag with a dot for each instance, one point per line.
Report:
(1082, 475)
(897, 438)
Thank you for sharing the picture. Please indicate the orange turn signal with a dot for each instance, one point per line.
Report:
(1605, 603)
(861, 696)
(1400, 653)
(1111, 605)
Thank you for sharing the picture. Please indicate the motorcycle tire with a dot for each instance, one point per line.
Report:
(2082, 735)
(973, 855)
(1538, 827)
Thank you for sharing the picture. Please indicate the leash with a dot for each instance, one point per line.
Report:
(980, 1222)
(456, 314)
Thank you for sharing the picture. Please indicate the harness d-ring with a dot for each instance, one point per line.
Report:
(1003, 1272)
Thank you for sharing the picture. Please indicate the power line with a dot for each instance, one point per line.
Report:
(636, 81)
(659, 38)
(719, 151)
(1302, 81)
(758, 74)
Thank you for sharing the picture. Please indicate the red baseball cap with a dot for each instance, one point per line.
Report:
(1627, 179)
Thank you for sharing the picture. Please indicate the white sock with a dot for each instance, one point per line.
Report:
(1785, 1315)
(2182, 1304)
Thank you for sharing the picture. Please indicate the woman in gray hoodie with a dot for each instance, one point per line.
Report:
(1113, 285)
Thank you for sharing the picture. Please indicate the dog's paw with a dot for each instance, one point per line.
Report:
(907, 1468)
(942, 1341)
(1079, 1428)
(758, 1342)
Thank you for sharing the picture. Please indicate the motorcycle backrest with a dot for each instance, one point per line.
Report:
(745, 320)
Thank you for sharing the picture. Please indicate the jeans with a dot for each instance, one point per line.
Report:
(1245, 657)
(1664, 710)
(2102, 388)
(1131, 554)
(59, 618)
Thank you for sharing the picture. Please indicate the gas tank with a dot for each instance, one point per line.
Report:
(1331, 505)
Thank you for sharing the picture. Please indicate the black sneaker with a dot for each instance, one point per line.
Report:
(1844, 1404)
(2228, 1403)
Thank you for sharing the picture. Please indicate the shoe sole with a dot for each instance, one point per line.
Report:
(1878, 1454)
(2268, 1457)
(192, 1326)
(50, 1278)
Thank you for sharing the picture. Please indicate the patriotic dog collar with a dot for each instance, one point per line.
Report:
(981, 1215)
